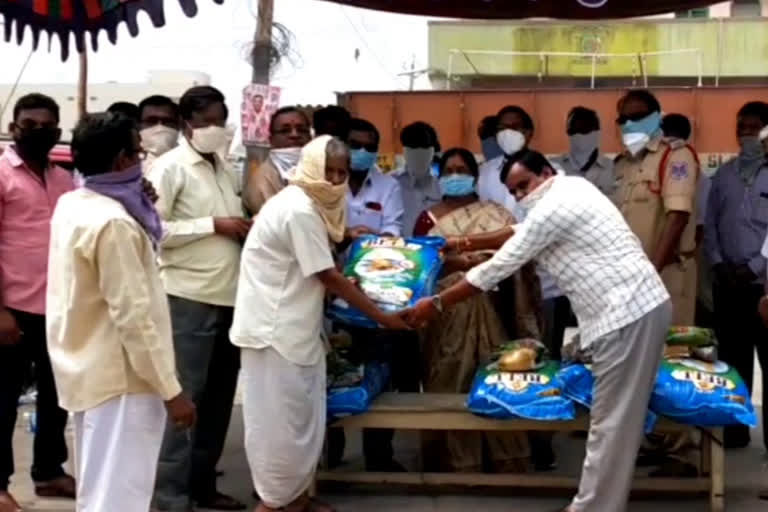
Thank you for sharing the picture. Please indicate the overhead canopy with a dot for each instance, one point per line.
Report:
(516, 9)
(64, 18)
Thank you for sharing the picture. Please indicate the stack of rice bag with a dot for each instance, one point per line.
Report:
(351, 387)
(393, 272)
(520, 382)
(694, 388)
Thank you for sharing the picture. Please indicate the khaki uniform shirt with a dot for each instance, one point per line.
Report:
(264, 181)
(646, 194)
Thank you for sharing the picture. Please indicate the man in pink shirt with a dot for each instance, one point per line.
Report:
(30, 186)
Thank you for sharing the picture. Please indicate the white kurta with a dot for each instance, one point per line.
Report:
(116, 449)
(284, 414)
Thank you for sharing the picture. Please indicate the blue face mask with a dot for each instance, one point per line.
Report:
(361, 160)
(457, 185)
(649, 125)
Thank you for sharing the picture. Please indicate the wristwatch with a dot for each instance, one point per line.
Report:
(437, 302)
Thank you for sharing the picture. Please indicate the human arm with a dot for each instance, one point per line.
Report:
(393, 212)
(127, 290)
(678, 190)
(308, 238)
(667, 248)
(531, 237)
(335, 282)
(10, 334)
(481, 242)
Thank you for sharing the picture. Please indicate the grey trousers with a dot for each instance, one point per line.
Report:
(625, 365)
(207, 364)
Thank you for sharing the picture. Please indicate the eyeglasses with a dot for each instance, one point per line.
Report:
(622, 119)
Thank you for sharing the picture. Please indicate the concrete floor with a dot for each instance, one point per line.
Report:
(746, 471)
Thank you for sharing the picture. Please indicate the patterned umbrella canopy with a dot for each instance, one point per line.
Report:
(64, 18)
(515, 9)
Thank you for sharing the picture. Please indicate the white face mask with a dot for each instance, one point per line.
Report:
(418, 161)
(286, 160)
(510, 141)
(159, 139)
(583, 145)
(635, 142)
(211, 139)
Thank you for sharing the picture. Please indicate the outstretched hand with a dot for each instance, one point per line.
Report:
(421, 313)
(396, 321)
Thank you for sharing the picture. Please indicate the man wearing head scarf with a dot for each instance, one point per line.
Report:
(286, 270)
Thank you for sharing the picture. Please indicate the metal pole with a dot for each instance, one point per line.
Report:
(450, 71)
(82, 84)
(261, 60)
(700, 65)
(594, 69)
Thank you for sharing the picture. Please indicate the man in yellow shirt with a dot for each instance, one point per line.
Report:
(203, 229)
(108, 325)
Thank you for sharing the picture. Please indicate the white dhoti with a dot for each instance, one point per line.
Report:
(284, 414)
(117, 445)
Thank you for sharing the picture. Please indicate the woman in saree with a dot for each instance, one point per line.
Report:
(464, 336)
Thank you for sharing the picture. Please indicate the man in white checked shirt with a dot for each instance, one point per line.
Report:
(577, 235)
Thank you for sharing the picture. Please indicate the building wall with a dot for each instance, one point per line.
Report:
(730, 47)
(101, 95)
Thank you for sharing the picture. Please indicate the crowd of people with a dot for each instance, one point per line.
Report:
(140, 287)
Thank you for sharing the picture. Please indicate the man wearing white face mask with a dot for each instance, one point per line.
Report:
(657, 196)
(584, 158)
(420, 188)
(203, 230)
(288, 132)
(159, 128)
(514, 133)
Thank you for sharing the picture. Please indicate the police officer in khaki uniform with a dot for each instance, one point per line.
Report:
(657, 196)
(657, 184)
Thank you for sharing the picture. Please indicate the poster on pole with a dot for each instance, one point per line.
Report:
(260, 101)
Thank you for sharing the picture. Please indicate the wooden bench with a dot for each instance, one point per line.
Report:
(430, 411)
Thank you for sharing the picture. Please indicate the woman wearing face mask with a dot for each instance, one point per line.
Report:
(449, 360)
(514, 131)
(289, 131)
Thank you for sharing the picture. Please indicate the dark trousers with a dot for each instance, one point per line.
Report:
(50, 447)
(557, 317)
(400, 350)
(207, 364)
(740, 331)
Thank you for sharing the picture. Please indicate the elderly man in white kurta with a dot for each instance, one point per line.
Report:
(286, 269)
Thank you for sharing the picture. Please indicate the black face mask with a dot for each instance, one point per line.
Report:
(36, 142)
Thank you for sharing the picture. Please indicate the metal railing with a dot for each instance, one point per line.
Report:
(641, 57)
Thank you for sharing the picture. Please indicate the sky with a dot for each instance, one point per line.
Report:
(325, 39)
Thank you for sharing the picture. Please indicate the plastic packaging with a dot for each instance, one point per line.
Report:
(577, 383)
(534, 395)
(703, 394)
(393, 272)
(346, 401)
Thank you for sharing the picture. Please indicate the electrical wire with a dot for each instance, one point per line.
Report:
(16, 84)
(365, 42)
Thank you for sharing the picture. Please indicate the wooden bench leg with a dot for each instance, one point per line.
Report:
(717, 477)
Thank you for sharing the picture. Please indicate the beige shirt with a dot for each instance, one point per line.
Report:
(108, 324)
(647, 193)
(264, 181)
(196, 263)
(280, 299)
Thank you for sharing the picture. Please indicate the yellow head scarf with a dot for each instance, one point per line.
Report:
(330, 200)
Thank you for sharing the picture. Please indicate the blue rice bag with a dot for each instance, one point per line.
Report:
(346, 401)
(393, 272)
(534, 395)
(704, 394)
(577, 383)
